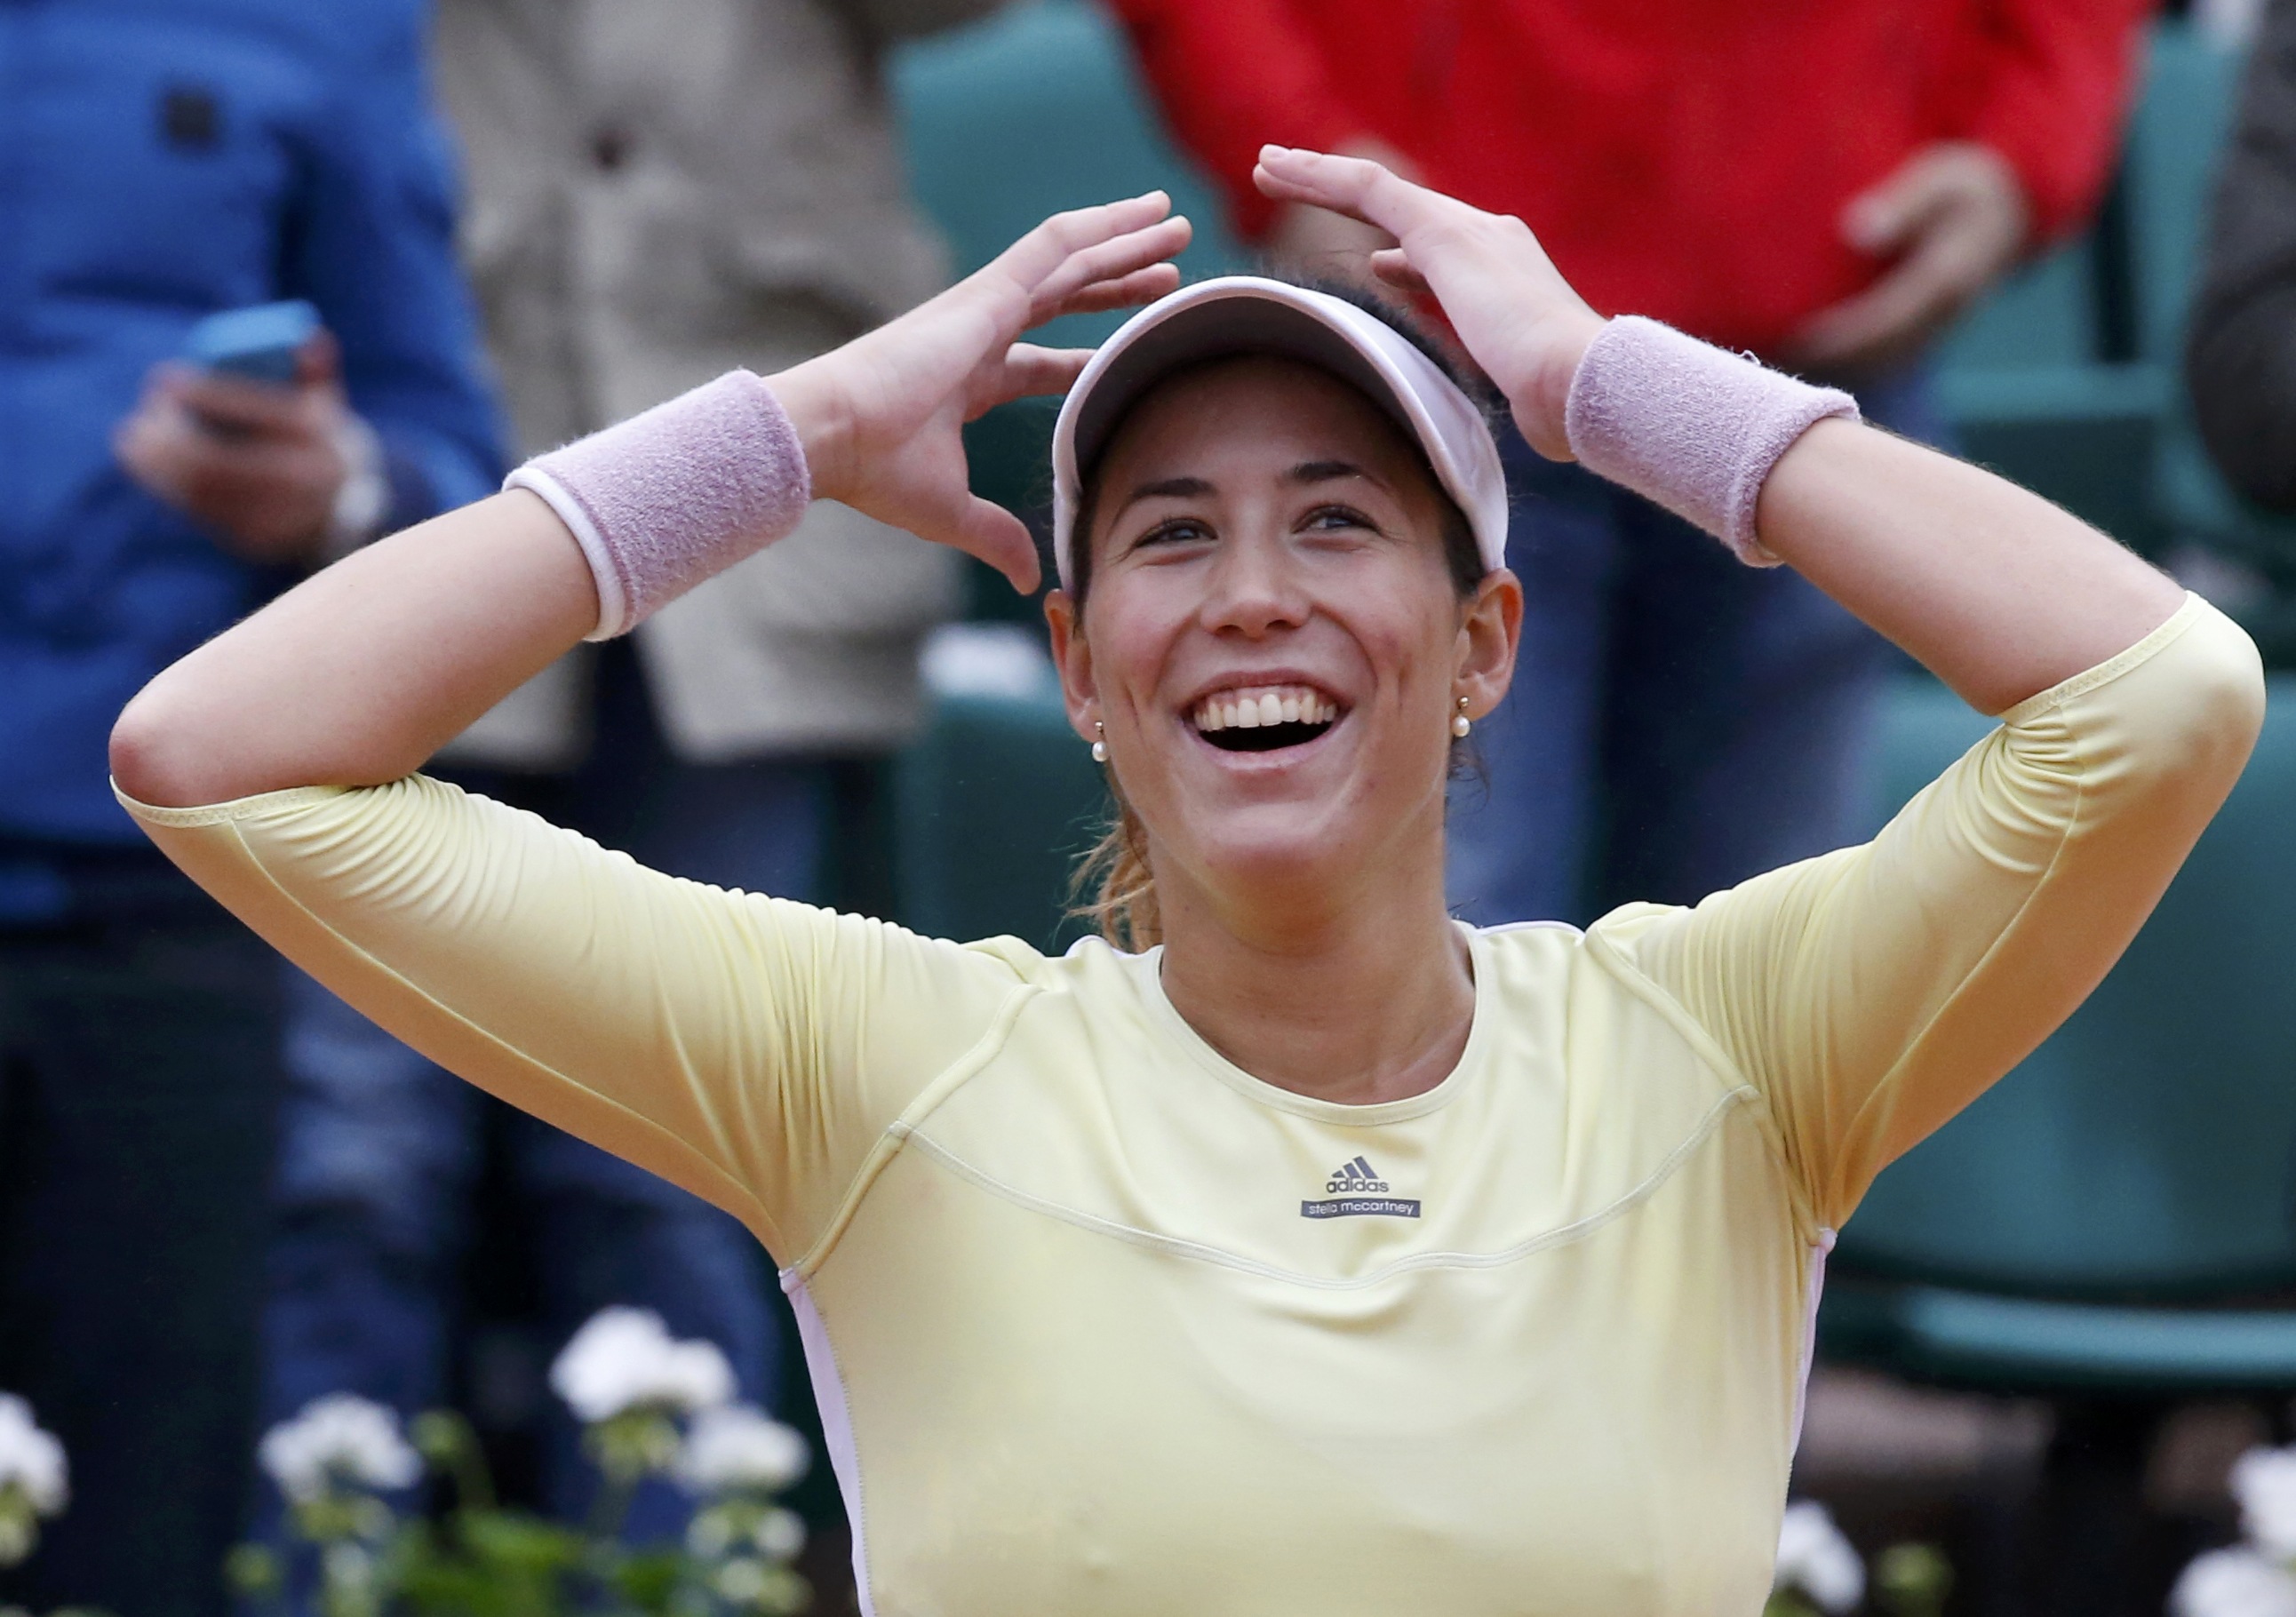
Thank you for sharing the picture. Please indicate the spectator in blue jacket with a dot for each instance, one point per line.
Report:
(161, 160)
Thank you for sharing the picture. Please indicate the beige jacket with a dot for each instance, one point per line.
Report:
(658, 190)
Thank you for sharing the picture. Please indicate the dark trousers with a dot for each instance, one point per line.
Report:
(139, 1076)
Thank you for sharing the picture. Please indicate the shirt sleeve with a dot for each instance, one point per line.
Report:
(2049, 83)
(1232, 76)
(752, 1049)
(1872, 993)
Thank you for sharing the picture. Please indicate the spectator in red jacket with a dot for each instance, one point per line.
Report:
(1827, 183)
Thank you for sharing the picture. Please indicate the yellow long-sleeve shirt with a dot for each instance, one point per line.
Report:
(1103, 1324)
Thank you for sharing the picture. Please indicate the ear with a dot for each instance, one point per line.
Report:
(1072, 653)
(1490, 630)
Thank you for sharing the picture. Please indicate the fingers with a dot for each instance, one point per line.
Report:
(236, 404)
(1030, 261)
(1001, 540)
(1109, 262)
(319, 361)
(1141, 286)
(1891, 317)
(1356, 186)
(1394, 268)
(1885, 217)
(1032, 372)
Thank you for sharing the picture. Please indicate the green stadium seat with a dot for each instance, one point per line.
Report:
(2044, 315)
(2024, 380)
(2176, 140)
(2104, 1218)
(2083, 435)
(1036, 110)
(992, 805)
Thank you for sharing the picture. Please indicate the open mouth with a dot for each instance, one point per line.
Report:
(1264, 719)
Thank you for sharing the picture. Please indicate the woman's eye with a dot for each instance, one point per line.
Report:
(1180, 531)
(1332, 518)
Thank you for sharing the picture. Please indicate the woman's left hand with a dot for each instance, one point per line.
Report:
(1518, 316)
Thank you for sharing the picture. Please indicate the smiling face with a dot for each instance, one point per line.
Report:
(1274, 642)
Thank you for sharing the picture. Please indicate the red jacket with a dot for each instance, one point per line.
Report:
(1683, 158)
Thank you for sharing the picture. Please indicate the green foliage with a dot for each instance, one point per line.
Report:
(1913, 1579)
(483, 1560)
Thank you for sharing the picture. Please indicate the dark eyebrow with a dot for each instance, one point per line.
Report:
(1309, 473)
(1170, 488)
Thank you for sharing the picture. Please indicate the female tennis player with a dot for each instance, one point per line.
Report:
(1326, 1256)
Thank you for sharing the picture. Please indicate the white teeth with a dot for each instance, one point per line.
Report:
(1293, 705)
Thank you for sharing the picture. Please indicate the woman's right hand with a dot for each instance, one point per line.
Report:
(1512, 309)
(881, 417)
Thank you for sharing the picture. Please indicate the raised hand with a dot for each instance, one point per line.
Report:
(1518, 316)
(880, 417)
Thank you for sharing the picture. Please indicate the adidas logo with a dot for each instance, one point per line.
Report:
(1353, 1176)
(1356, 1191)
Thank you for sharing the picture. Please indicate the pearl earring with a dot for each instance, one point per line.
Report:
(1460, 723)
(1100, 747)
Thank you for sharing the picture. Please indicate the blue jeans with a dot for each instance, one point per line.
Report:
(1678, 722)
(382, 1151)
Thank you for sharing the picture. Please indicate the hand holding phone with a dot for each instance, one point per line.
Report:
(247, 432)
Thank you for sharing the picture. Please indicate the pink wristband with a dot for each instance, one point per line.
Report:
(675, 494)
(1690, 427)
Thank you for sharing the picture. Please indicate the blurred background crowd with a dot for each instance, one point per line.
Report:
(2056, 235)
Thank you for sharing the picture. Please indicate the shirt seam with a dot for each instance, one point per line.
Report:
(896, 1133)
(1709, 1049)
(229, 812)
(2171, 629)
(1203, 1252)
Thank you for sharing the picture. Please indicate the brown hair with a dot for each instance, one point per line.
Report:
(1115, 869)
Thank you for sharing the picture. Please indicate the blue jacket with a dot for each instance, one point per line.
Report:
(161, 160)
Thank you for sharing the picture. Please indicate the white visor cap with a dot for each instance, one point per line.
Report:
(1253, 315)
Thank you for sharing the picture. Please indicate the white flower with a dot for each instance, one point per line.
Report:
(2233, 1583)
(338, 1438)
(743, 1581)
(1813, 1557)
(624, 1360)
(2264, 1482)
(31, 1459)
(740, 1447)
(780, 1535)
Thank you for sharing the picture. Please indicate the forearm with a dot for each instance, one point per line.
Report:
(1999, 592)
(1996, 591)
(360, 673)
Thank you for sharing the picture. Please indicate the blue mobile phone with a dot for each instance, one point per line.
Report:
(260, 343)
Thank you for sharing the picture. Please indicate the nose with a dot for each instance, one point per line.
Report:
(1255, 588)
